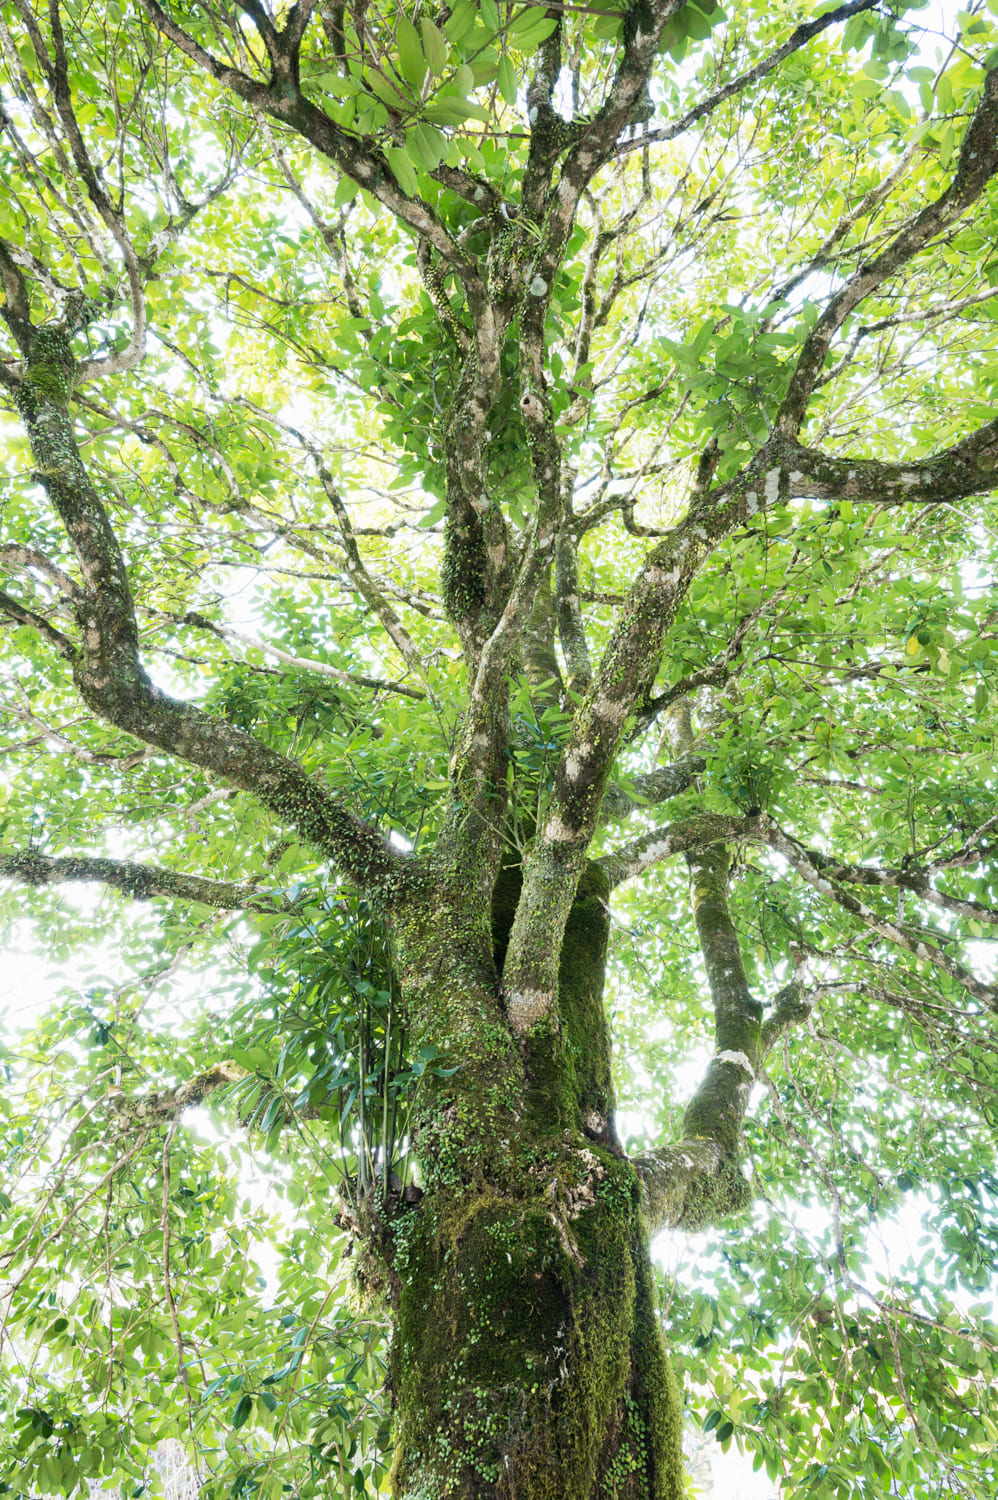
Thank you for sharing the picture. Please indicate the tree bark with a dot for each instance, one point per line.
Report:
(527, 1360)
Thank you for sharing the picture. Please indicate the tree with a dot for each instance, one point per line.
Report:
(468, 467)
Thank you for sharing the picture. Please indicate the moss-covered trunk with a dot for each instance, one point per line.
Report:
(527, 1360)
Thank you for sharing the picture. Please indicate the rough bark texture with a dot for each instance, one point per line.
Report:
(527, 1361)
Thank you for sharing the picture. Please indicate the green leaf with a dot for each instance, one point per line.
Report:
(242, 1412)
(386, 91)
(461, 20)
(403, 170)
(507, 80)
(435, 46)
(412, 62)
(484, 67)
(464, 79)
(434, 514)
(865, 88)
(346, 192)
(341, 85)
(947, 145)
(425, 146)
(450, 110)
(530, 27)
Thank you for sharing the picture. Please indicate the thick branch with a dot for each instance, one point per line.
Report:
(109, 674)
(591, 147)
(595, 146)
(266, 29)
(716, 1111)
(571, 627)
(478, 561)
(540, 660)
(141, 882)
(791, 1007)
(30, 560)
(17, 305)
(717, 1108)
(969, 467)
(699, 1179)
(621, 682)
(689, 1185)
(535, 563)
(916, 880)
(652, 788)
(295, 27)
(780, 470)
(820, 871)
(284, 102)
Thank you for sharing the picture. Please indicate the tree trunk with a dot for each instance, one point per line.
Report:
(527, 1360)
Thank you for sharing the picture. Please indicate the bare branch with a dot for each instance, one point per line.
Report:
(300, 663)
(820, 871)
(29, 559)
(798, 39)
(266, 29)
(284, 102)
(977, 164)
(914, 879)
(141, 882)
(366, 585)
(52, 736)
(59, 81)
(911, 940)
(15, 610)
(76, 1208)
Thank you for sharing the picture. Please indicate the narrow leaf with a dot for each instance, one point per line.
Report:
(244, 1407)
(412, 62)
(507, 80)
(403, 170)
(434, 46)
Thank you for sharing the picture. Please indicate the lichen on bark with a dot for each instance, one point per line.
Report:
(527, 1360)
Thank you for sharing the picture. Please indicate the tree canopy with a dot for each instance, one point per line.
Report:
(492, 493)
